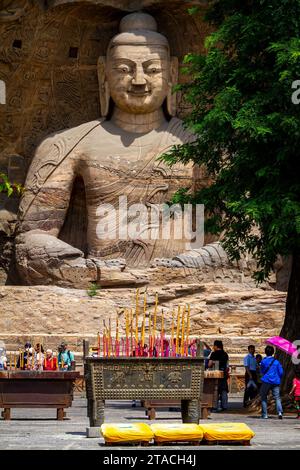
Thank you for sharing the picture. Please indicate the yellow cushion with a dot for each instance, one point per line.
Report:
(177, 432)
(124, 432)
(227, 432)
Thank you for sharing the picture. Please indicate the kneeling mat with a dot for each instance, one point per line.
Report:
(123, 432)
(177, 432)
(227, 432)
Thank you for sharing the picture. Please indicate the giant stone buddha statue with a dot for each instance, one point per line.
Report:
(116, 155)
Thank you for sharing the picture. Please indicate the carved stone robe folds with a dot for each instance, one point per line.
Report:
(112, 164)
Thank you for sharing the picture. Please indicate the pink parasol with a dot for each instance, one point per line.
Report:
(282, 344)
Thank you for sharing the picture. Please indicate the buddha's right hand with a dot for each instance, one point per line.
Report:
(43, 259)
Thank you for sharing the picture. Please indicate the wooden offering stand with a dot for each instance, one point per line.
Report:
(36, 389)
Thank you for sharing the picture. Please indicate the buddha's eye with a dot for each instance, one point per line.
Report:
(153, 70)
(124, 68)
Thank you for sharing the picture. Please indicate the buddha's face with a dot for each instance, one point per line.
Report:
(138, 77)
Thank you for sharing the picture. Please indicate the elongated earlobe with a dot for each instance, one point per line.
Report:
(103, 86)
(171, 98)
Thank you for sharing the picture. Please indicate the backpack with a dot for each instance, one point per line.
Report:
(69, 354)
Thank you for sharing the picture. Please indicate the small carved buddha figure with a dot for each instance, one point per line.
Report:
(115, 157)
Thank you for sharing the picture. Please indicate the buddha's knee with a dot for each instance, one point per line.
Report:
(42, 259)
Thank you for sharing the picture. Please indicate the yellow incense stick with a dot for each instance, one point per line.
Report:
(188, 327)
(149, 328)
(98, 342)
(137, 317)
(182, 332)
(162, 334)
(177, 330)
(131, 327)
(105, 348)
(172, 332)
(155, 314)
(109, 337)
(144, 321)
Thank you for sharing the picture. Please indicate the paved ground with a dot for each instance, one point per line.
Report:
(38, 429)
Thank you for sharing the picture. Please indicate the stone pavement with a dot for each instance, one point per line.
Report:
(38, 429)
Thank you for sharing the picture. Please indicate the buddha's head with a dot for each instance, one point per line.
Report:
(138, 72)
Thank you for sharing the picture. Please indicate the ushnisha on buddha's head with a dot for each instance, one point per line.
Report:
(139, 73)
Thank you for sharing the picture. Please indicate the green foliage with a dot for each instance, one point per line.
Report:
(7, 187)
(247, 130)
(93, 290)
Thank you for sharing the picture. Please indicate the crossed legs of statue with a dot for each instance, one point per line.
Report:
(43, 259)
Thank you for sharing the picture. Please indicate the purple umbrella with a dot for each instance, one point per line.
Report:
(282, 344)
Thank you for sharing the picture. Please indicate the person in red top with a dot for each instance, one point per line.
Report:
(50, 362)
(295, 393)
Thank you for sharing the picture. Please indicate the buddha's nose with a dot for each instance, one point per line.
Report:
(139, 76)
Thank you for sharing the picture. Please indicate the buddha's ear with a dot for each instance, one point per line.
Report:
(103, 86)
(171, 98)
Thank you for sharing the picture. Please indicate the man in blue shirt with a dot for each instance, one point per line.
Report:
(250, 375)
(272, 373)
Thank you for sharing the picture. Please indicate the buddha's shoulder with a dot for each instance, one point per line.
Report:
(68, 138)
(178, 132)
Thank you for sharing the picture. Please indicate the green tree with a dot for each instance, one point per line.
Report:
(7, 186)
(247, 134)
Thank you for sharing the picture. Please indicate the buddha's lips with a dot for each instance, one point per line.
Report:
(139, 93)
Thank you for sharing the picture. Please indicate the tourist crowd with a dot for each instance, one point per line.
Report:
(36, 358)
(262, 376)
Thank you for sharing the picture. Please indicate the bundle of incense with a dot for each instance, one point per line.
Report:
(177, 332)
(127, 332)
(131, 332)
(162, 352)
(154, 320)
(149, 336)
(172, 349)
(105, 342)
(109, 338)
(182, 333)
(144, 323)
(117, 349)
(104, 339)
(188, 330)
(137, 318)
